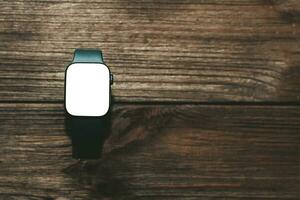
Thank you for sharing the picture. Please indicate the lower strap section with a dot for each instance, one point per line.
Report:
(88, 135)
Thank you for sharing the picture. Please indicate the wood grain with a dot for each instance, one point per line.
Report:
(154, 152)
(217, 52)
(171, 50)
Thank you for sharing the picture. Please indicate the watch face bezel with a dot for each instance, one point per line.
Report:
(65, 83)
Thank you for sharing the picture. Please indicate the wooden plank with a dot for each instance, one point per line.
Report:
(155, 152)
(172, 50)
(34, 150)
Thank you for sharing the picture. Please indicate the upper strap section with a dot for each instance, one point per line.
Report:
(88, 56)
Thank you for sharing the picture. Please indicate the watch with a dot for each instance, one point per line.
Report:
(87, 103)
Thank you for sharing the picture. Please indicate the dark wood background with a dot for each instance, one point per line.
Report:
(206, 99)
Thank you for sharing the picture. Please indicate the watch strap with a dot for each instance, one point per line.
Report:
(88, 56)
(88, 135)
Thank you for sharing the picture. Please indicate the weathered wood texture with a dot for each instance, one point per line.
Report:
(170, 50)
(155, 152)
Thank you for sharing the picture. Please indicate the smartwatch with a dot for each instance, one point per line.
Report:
(87, 103)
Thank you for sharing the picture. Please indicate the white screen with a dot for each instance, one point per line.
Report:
(87, 89)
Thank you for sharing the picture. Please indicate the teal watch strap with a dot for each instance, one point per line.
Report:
(87, 134)
(87, 56)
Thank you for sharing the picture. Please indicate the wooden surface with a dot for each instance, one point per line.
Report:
(170, 50)
(155, 152)
(206, 93)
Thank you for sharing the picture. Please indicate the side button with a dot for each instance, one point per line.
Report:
(111, 78)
